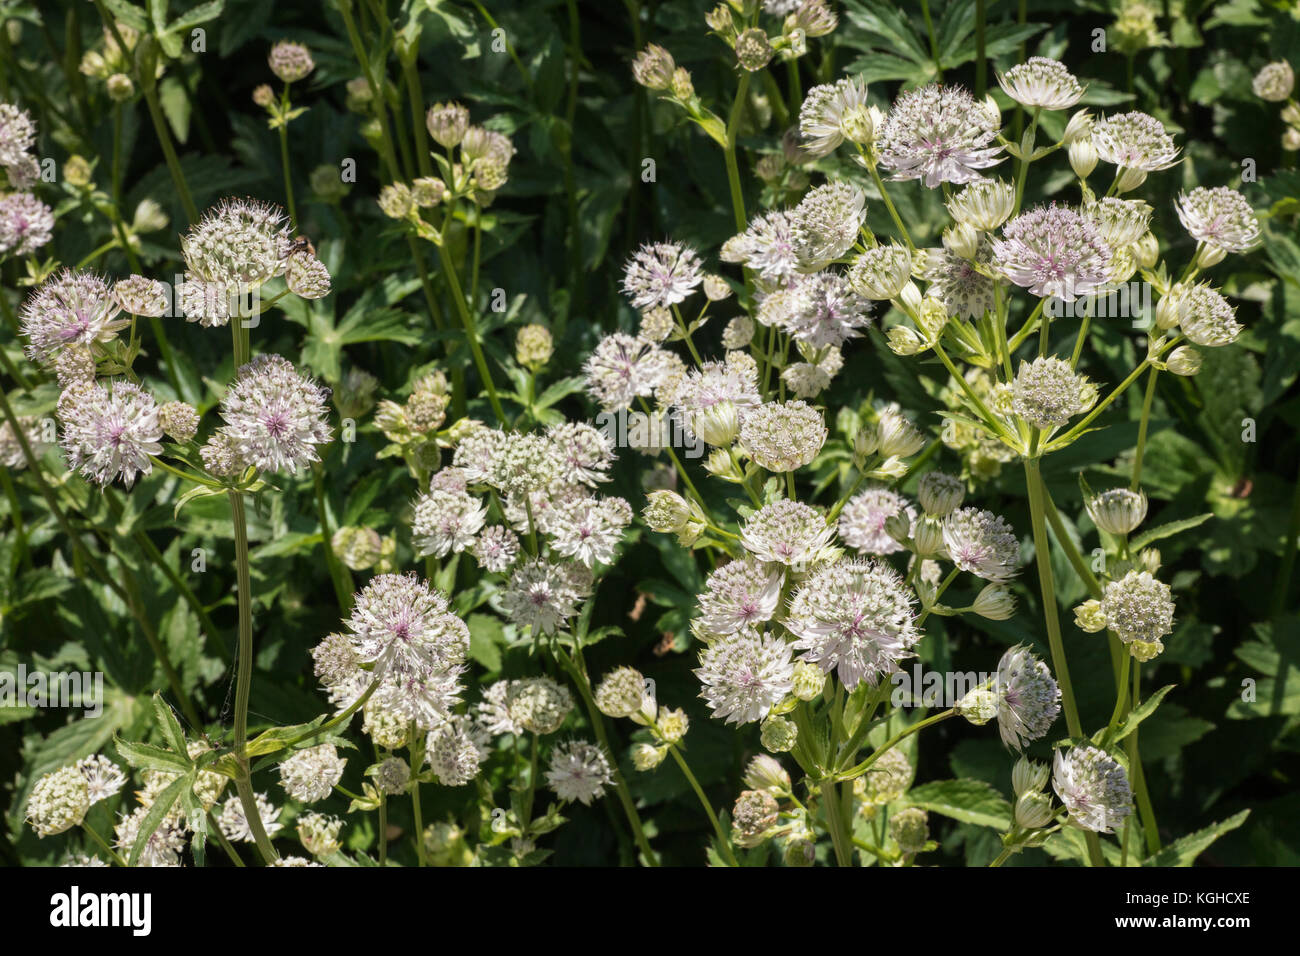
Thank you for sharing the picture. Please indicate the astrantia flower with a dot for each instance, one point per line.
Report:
(788, 532)
(12, 455)
(1047, 392)
(392, 776)
(661, 274)
(854, 617)
(740, 594)
(1220, 217)
(1274, 82)
(446, 522)
(834, 112)
(1205, 316)
(275, 416)
(140, 295)
(494, 710)
(234, 824)
(403, 626)
(1094, 788)
(164, 845)
(305, 275)
(452, 753)
(241, 241)
(17, 134)
(58, 802)
(1119, 222)
(623, 368)
(982, 543)
(745, 675)
(311, 775)
(938, 134)
(1134, 141)
(1138, 607)
(621, 692)
(538, 705)
(712, 385)
(589, 530)
(782, 436)
(1028, 698)
(319, 833)
(882, 271)
(983, 204)
(579, 771)
(110, 433)
(862, 522)
(103, 777)
(524, 464)
(72, 307)
(496, 548)
(474, 455)
(290, 61)
(26, 224)
(826, 224)
(1118, 510)
(587, 452)
(1042, 83)
(767, 247)
(958, 284)
(540, 595)
(825, 311)
(1052, 251)
(753, 816)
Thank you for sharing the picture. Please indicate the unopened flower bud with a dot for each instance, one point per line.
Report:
(395, 201)
(666, 511)
(904, 340)
(961, 240)
(682, 87)
(263, 95)
(648, 756)
(1129, 179)
(1029, 776)
(1033, 811)
(927, 536)
(1210, 255)
(809, 679)
(940, 494)
(1078, 129)
(778, 735)
(1144, 651)
(910, 829)
(1083, 158)
(979, 706)
(120, 88)
(995, 602)
(654, 67)
(1090, 617)
(533, 346)
(1146, 250)
(753, 51)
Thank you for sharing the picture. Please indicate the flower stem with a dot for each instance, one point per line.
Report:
(888, 745)
(577, 669)
(724, 841)
(733, 169)
(1142, 428)
(467, 320)
(244, 680)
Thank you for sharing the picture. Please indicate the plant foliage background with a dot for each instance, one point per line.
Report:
(553, 244)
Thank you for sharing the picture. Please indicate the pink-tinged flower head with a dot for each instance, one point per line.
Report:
(623, 368)
(1094, 787)
(854, 617)
(25, 224)
(110, 432)
(71, 308)
(1134, 141)
(275, 416)
(745, 675)
(1220, 217)
(661, 274)
(938, 134)
(1053, 251)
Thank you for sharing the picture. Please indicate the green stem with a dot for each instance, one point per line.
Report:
(339, 575)
(724, 842)
(1142, 428)
(889, 204)
(729, 152)
(467, 320)
(169, 151)
(577, 669)
(894, 741)
(244, 681)
(113, 854)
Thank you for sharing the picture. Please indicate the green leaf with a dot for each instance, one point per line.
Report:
(1185, 850)
(968, 801)
(148, 757)
(168, 724)
(1167, 530)
(1139, 714)
(158, 810)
